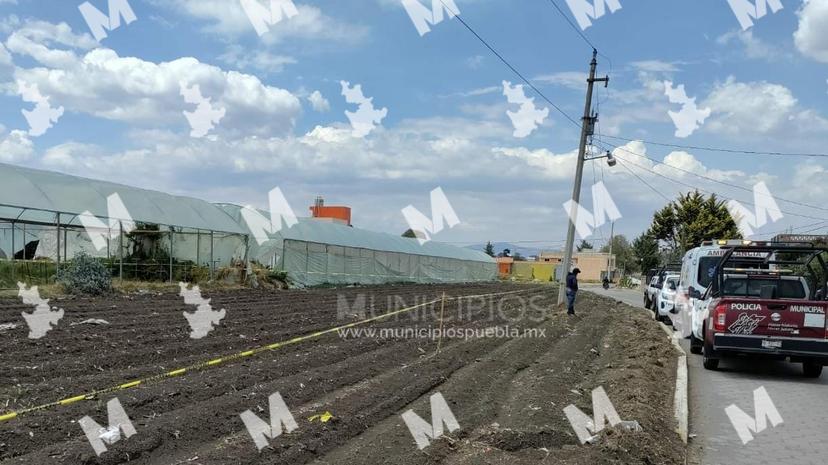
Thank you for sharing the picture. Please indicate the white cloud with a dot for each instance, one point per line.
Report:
(35, 38)
(541, 163)
(135, 91)
(758, 108)
(811, 37)
(575, 80)
(655, 66)
(15, 146)
(687, 162)
(259, 60)
(228, 18)
(318, 102)
(475, 62)
(752, 46)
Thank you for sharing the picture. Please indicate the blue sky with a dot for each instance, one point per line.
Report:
(446, 122)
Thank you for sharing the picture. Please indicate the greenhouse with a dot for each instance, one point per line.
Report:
(47, 218)
(314, 252)
(142, 234)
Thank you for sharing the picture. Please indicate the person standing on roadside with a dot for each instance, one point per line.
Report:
(571, 290)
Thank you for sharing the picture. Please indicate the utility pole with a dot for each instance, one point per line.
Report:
(609, 259)
(587, 129)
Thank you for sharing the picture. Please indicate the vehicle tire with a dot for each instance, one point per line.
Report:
(646, 302)
(811, 369)
(695, 345)
(708, 361)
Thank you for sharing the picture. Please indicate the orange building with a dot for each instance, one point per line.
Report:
(504, 266)
(337, 214)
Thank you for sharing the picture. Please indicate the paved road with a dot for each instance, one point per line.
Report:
(802, 437)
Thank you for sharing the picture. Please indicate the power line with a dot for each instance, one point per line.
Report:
(716, 193)
(821, 224)
(723, 150)
(574, 27)
(577, 124)
(509, 65)
(735, 186)
(643, 181)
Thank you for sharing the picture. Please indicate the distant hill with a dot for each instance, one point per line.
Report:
(499, 246)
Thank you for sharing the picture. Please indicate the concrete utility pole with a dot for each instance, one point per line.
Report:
(587, 129)
(609, 259)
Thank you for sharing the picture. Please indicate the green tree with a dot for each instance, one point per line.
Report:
(623, 251)
(692, 218)
(645, 251)
(489, 249)
(518, 257)
(585, 245)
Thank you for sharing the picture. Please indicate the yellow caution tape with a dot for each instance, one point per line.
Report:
(325, 417)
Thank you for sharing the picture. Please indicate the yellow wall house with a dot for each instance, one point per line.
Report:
(593, 266)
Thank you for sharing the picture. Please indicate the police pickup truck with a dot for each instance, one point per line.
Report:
(776, 308)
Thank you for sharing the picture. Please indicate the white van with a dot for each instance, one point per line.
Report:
(697, 270)
(698, 267)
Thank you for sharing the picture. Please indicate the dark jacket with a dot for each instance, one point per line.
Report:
(572, 281)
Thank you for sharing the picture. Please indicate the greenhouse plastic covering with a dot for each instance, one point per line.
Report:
(315, 252)
(30, 195)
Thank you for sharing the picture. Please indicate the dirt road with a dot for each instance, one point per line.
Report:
(507, 393)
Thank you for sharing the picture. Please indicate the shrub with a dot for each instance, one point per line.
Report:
(85, 275)
(278, 275)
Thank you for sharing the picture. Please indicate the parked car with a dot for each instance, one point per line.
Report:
(650, 292)
(656, 282)
(666, 298)
(771, 312)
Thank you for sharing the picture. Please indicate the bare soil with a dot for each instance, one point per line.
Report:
(507, 394)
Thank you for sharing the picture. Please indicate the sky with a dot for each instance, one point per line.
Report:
(432, 110)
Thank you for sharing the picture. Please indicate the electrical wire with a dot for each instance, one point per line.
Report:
(673, 180)
(643, 181)
(574, 27)
(579, 125)
(722, 150)
(509, 65)
(735, 186)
